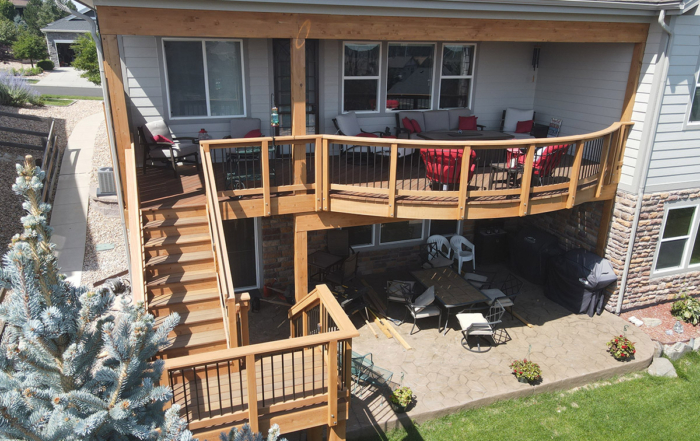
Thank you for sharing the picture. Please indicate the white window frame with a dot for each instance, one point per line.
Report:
(206, 79)
(436, 58)
(685, 265)
(377, 77)
(694, 125)
(457, 77)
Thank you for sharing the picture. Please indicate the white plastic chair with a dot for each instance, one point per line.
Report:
(458, 244)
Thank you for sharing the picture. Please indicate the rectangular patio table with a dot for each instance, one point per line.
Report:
(451, 290)
(471, 135)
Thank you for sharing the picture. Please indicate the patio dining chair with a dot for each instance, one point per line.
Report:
(159, 144)
(507, 293)
(546, 160)
(436, 253)
(480, 281)
(463, 251)
(345, 271)
(474, 324)
(399, 291)
(423, 308)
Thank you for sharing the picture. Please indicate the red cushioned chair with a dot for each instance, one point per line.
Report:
(545, 161)
(443, 167)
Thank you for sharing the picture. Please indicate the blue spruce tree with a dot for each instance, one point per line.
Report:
(71, 366)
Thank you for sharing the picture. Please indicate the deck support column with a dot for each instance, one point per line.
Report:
(117, 98)
(314, 433)
(337, 432)
(301, 266)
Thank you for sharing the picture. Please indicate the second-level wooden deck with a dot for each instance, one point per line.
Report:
(401, 178)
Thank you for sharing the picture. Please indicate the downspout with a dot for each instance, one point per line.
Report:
(657, 98)
(108, 120)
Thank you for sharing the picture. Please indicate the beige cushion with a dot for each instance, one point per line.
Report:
(513, 116)
(494, 294)
(475, 323)
(179, 150)
(428, 311)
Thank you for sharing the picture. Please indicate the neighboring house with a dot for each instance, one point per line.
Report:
(61, 34)
(599, 66)
(20, 5)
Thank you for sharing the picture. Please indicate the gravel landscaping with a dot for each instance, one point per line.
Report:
(102, 230)
(656, 329)
(66, 118)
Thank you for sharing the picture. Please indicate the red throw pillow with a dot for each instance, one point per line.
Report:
(254, 134)
(467, 123)
(524, 126)
(367, 135)
(408, 125)
(416, 126)
(161, 138)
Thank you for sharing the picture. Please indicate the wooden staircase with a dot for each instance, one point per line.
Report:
(180, 275)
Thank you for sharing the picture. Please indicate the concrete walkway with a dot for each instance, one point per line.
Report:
(66, 81)
(70, 207)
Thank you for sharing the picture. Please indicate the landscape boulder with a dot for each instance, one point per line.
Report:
(676, 351)
(662, 367)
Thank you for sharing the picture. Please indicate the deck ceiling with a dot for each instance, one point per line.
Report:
(221, 24)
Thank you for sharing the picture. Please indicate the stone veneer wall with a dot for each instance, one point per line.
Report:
(575, 228)
(642, 289)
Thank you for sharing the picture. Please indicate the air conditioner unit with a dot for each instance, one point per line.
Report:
(105, 181)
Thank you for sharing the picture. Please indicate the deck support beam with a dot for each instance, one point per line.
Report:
(604, 228)
(301, 265)
(117, 98)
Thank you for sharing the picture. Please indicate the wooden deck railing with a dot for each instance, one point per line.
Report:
(383, 177)
(136, 251)
(298, 383)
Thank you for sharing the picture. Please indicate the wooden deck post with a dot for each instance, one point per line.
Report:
(115, 85)
(526, 181)
(337, 432)
(464, 183)
(243, 300)
(575, 172)
(332, 364)
(314, 433)
(252, 392)
(298, 96)
(301, 266)
(231, 316)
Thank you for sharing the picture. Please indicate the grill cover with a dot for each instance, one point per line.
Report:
(530, 251)
(577, 279)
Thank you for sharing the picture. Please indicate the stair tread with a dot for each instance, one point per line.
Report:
(197, 339)
(180, 258)
(183, 298)
(193, 317)
(178, 222)
(177, 240)
(188, 276)
(175, 206)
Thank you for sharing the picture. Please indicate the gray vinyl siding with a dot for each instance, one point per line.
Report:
(504, 78)
(675, 158)
(582, 84)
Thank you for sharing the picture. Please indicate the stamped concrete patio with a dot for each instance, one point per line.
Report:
(446, 378)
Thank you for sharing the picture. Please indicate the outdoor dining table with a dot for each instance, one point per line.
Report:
(451, 290)
(323, 262)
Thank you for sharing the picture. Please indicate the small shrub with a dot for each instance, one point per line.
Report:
(45, 64)
(526, 369)
(14, 91)
(26, 71)
(687, 309)
(621, 348)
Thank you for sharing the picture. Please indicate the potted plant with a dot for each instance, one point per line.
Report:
(401, 398)
(526, 371)
(621, 348)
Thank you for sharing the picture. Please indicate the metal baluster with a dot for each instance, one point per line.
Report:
(284, 389)
(184, 390)
(294, 377)
(218, 382)
(272, 367)
(230, 386)
(262, 381)
(303, 374)
(240, 379)
(206, 377)
(196, 390)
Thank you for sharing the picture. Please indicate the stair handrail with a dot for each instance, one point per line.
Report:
(227, 299)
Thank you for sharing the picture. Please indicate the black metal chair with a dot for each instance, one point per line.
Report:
(507, 293)
(172, 151)
(344, 271)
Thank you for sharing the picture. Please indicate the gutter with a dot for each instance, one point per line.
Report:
(108, 120)
(657, 98)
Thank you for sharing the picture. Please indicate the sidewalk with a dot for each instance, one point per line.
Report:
(66, 81)
(70, 207)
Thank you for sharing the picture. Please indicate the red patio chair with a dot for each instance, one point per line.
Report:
(444, 166)
(545, 161)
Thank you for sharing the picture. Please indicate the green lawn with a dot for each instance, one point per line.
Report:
(64, 100)
(639, 408)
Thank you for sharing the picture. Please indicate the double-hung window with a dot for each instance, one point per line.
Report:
(456, 75)
(409, 80)
(361, 67)
(204, 78)
(695, 107)
(679, 243)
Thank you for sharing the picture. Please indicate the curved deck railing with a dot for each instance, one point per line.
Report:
(401, 178)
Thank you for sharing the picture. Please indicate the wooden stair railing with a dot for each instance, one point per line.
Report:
(298, 383)
(136, 251)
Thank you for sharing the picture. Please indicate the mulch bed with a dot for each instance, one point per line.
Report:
(662, 311)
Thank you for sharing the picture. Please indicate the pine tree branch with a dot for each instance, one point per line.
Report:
(17, 426)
